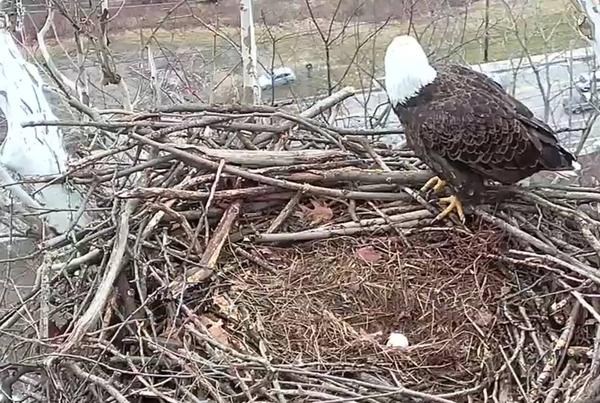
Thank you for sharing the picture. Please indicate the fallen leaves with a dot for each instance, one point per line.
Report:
(370, 337)
(225, 306)
(368, 254)
(484, 318)
(216, 330)
(319, 214)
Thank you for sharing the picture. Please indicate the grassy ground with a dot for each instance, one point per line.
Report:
(533, 26)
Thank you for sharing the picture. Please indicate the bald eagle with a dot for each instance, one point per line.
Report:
(465, 127)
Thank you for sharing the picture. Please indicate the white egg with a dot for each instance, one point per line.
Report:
(397, 340)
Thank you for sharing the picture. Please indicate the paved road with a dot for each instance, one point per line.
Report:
(556, 78)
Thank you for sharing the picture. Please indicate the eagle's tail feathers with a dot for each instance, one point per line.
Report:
(556, 158)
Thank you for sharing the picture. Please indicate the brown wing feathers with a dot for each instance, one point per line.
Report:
(553, 156)
(493, 147)
(476, 123)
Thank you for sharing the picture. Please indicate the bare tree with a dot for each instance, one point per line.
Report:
(249, 61)
(334, 33)
(589, 27)
(535, 43)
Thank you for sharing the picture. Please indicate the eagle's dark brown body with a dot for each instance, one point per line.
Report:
(467, 129)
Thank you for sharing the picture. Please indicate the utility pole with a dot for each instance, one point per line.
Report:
(589, 28)
(486, 35)
(251, 90)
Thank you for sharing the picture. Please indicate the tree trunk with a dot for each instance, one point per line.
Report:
(31, 151)
(251, 90)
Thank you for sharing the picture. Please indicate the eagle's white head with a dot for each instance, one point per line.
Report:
(407, 69)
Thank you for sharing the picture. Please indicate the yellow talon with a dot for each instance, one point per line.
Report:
(439, 186)
(453, 204)
(434, 183)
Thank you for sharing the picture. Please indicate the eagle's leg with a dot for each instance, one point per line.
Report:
(453, 204)
(435, 183)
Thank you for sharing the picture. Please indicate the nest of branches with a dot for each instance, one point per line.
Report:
(253, 254)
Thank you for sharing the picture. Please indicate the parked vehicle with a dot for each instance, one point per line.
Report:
(584, 82)
(281, 76)
(577, 102)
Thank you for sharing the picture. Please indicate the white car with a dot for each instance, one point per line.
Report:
(281, 76)
(577, 102)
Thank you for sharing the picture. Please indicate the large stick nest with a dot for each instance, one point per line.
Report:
(253, 254)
